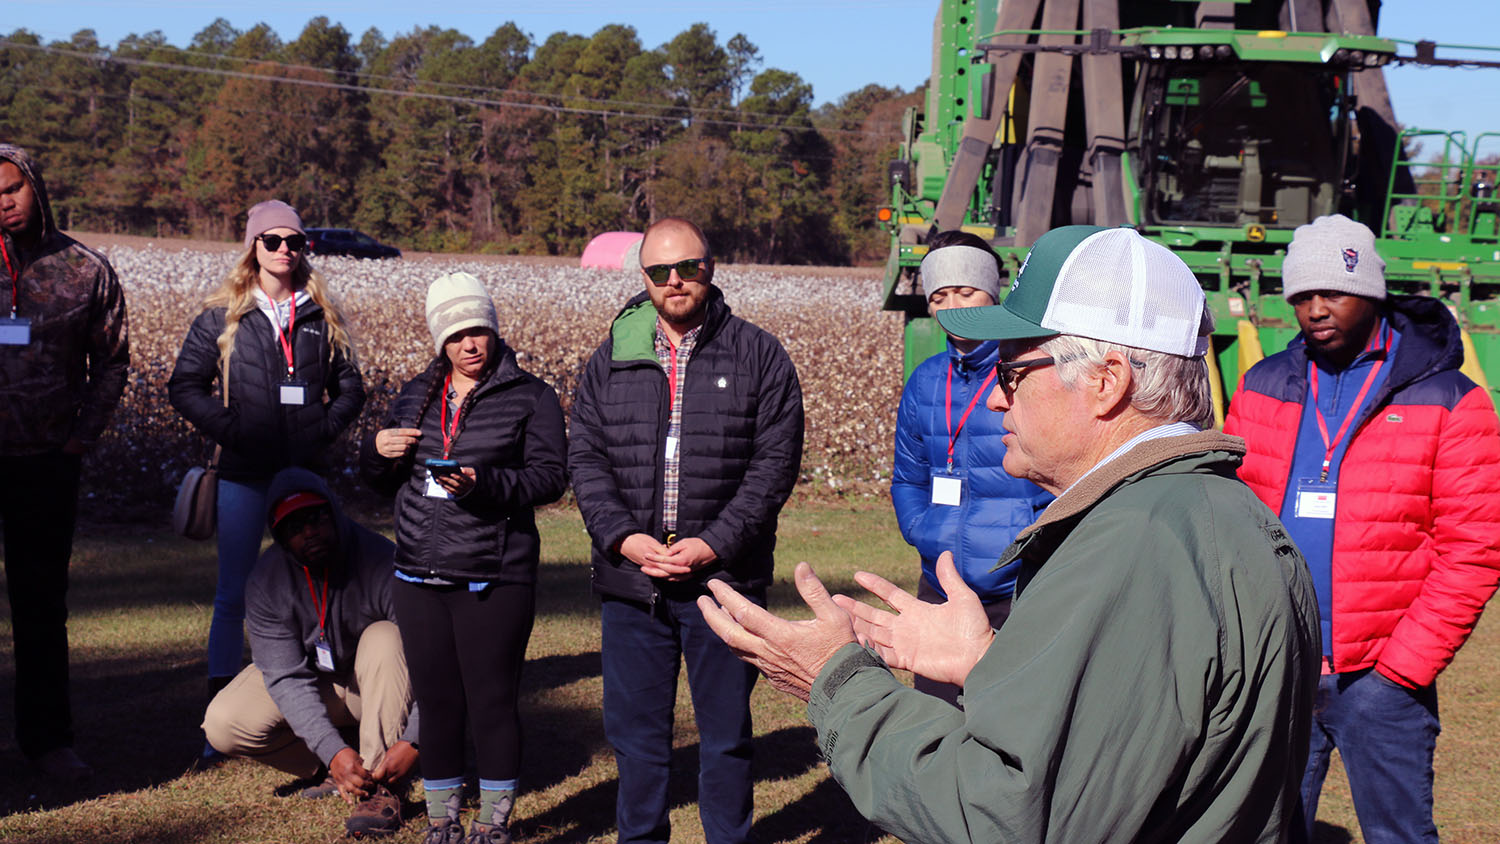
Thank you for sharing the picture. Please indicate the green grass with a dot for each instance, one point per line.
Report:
(140, 609)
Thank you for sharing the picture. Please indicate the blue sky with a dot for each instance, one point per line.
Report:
(836, 45)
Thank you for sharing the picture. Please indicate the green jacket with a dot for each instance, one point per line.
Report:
(1154, 681)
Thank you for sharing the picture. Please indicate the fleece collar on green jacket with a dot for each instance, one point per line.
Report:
(633, 333)
(1144, 459)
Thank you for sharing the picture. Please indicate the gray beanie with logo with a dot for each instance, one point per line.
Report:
(1333, 253)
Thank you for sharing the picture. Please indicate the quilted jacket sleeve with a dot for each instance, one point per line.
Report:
(1465, 518)
(911, 479)
(604, 511)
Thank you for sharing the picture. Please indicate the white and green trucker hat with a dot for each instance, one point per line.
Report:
(1109, 284)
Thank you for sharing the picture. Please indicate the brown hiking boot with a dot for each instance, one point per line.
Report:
(376, 815)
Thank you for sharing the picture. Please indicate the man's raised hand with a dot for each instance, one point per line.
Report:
(789, 653)
(941, 642)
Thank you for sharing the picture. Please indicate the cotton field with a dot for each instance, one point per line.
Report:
(847, 352)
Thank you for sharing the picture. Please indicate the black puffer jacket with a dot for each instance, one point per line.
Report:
(259, 434)
(511, 433)
(741, 447)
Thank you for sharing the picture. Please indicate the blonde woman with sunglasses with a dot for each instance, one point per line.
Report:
(273, 337)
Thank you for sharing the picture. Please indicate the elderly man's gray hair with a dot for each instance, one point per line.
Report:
(1164, 387)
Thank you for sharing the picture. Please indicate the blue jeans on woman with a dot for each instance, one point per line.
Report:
(1386, 735)
(242, 524)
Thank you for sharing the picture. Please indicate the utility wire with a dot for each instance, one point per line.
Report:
(425, 95)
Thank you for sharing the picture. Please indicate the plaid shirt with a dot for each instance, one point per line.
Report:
(674, 362)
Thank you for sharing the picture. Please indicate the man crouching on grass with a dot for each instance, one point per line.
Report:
(1154, 681)
(326, 655)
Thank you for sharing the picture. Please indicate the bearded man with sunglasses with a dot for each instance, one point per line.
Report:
(1154, 680)
(686, 440)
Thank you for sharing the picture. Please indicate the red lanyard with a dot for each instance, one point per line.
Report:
(15, 279)
(286, 336)
(948, 407)
(672, 375)
(449, 431)
(1330, 445)
(320, 606)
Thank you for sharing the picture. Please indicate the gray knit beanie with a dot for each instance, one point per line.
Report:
(960, 266)
(273, 213)
(457, 301)
(1333, 253)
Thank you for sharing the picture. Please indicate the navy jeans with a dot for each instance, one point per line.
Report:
(642, 649)
(1386, 735)
(242, 524)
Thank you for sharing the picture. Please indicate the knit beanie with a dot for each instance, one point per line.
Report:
(960, 266)
(1333, 253)
(271, 214)
(457, 301)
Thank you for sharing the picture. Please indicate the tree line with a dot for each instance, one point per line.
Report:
(435, 142)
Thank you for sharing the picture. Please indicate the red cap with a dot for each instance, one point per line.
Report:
(294, 502)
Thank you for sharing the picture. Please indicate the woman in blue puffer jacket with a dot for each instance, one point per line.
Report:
(948, 486)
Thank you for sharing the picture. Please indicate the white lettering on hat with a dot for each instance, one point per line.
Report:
(1017, 280)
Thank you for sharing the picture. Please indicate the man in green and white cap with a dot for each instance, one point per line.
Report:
(1154, 680)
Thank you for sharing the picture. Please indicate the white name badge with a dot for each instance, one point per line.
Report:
(435, 489)
(671, 447)
(947, 490)
(1315, 499)
(323, 653)
(15, 331)
(293, 392)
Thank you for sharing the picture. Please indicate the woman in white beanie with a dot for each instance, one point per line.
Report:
(279, 345)
(468, 448)
(950, 492)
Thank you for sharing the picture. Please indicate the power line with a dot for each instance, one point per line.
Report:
(426, 95)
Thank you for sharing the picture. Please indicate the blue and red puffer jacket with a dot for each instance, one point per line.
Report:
(1415, 553)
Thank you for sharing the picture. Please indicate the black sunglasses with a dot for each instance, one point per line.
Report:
(1008, 374)
(687, 269)
(294, 242)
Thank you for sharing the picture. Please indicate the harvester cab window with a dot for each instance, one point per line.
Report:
(1240, 144)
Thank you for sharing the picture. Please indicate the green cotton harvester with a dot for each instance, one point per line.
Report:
(1213, 128)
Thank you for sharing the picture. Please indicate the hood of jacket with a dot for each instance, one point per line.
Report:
(297, 479)
(1430, 343)
(33, 173)
(633, 332)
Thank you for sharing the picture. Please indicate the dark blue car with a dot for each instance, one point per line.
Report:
(355, 244)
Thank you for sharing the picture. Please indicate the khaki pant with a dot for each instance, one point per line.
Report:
(242, 720)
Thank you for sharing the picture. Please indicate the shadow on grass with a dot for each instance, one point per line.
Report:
(1327, 833)
(136, 722)
(825, 812)
(203, 824)
(821, 816)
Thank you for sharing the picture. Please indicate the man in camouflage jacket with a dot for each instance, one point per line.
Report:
(63, 356)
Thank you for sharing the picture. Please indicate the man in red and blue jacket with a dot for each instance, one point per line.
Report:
(1383, 461)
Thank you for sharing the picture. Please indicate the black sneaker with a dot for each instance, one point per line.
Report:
(376, 815)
